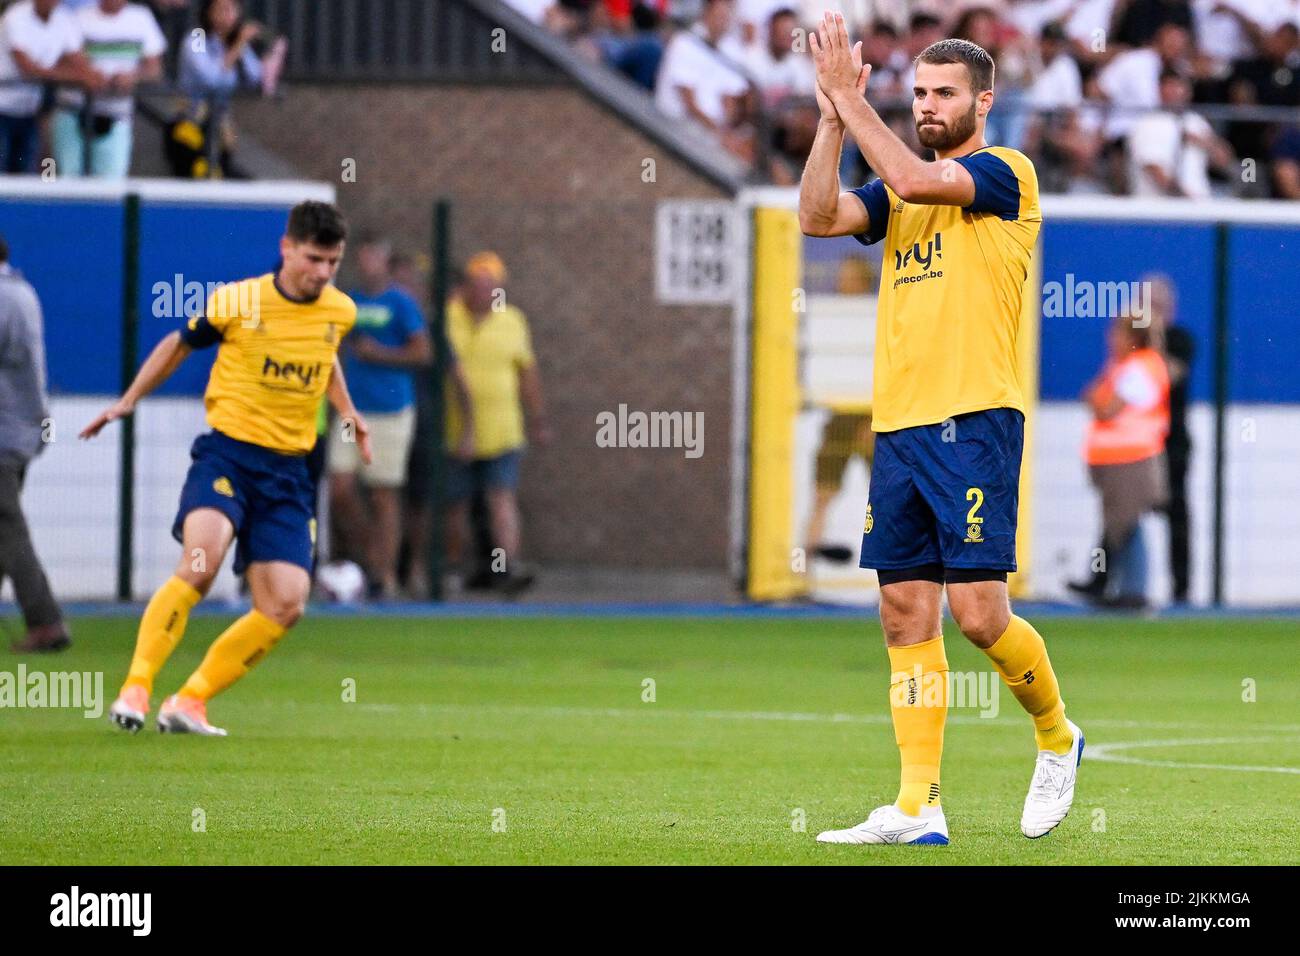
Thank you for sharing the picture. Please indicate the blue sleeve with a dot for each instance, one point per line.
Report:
(412, 318)
(876, 200)
(199, 333)
(997, 190)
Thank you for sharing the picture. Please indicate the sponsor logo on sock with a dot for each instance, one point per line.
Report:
(934, 794)
(1029, 677)
(976, 690)
(131, 910)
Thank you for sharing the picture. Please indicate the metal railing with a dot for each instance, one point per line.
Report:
(448, 41)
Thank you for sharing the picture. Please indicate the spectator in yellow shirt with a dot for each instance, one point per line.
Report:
(492, 343)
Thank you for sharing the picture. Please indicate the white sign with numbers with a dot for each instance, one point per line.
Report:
(694, 252)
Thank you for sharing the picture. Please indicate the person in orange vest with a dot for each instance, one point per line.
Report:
(1124, 450)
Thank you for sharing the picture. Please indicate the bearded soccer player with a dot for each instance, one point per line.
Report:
(278, 337)
(948, 408)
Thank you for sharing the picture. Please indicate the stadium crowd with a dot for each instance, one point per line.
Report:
(70, 71)
(1143, 97)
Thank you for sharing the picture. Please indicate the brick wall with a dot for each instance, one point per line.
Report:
(553, 182)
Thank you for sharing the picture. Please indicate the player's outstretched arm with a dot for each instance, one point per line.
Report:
(157, 368)
(338, 397)
(911, 178)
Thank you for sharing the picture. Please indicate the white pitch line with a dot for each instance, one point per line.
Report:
(1005, 716)
(1107, 753)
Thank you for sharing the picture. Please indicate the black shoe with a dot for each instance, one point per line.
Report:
(44, 639)
(1124, 602)
(1093, 590)
(835, 553)
(515, 583)
(481, 580)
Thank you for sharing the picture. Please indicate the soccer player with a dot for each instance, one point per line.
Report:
(278, 337)
(948, 407)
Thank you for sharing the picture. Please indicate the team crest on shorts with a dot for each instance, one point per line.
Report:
(869, 523)
(222, 486)
(973, 534)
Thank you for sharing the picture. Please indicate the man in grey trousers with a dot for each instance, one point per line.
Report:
(23, 418)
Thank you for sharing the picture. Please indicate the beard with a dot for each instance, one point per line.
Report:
(943, 137)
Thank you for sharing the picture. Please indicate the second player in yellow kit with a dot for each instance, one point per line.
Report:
(277, 339)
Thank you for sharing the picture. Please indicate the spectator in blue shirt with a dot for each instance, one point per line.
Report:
(386, 346)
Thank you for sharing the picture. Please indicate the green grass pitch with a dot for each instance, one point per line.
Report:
(527, 740)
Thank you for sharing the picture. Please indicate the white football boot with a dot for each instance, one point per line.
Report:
(888, 824)
(186, 715)
(130, 708)
(1051, 791)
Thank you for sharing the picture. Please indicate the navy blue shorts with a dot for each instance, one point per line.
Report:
(464, 478)
(269, 497)
(946, 494)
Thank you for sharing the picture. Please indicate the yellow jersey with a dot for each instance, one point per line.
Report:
(951, 288)
(491, 352)
(275, 356)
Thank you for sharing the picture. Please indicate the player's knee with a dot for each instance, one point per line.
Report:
(199, 576)
(903, 615)
(284, 609)
(983, 622)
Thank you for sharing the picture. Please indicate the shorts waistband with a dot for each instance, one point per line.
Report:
(250, 451)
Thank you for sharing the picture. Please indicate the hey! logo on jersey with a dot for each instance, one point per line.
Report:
(293, 373)
(222, 486)
(933, 250)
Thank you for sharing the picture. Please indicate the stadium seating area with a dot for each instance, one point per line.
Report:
(1090, 89)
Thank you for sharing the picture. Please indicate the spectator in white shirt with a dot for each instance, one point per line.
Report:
(40, 43)
(1065, 147)
(753, 17)
(1172, 149)
(699, 81)
(1131, 81)
(786, 80)
(776, 69)
(1059, 86)
(1228, 30)
(122, 41)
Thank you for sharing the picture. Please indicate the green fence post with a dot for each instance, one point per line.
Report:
(130, 358)
(1220, 399)
(439, 289)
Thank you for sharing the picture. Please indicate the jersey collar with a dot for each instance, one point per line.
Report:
(275, 280)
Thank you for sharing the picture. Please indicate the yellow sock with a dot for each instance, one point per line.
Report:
(918, 702)
(1021, 658)
(161, 629)
(233, 654)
